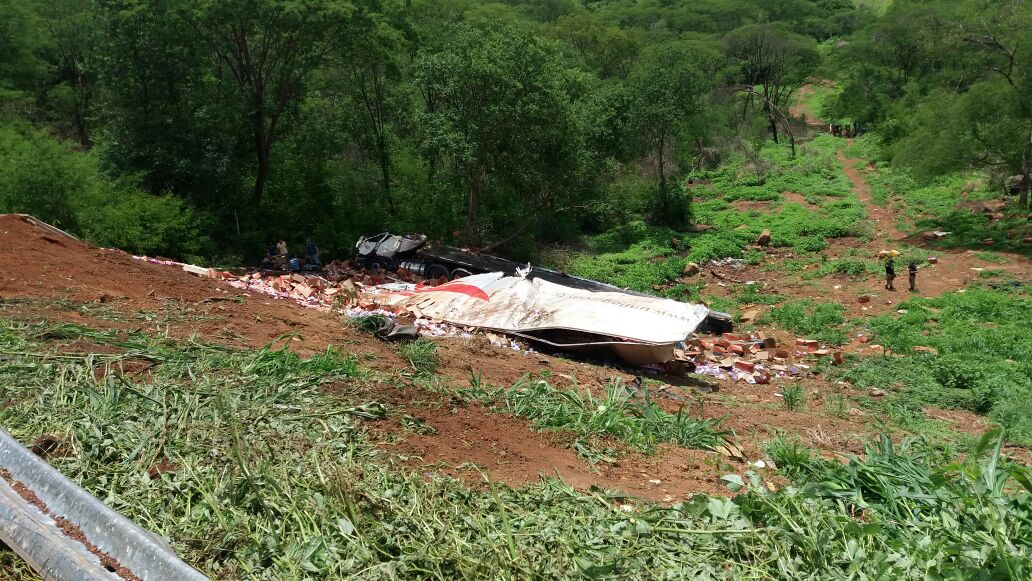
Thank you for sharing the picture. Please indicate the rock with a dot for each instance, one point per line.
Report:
(752, 315)
(691, 269)
(877, 392)
(864, 299)
(933, 260)
(764, 238)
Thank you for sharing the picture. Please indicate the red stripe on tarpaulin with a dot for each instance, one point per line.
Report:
(457, 287)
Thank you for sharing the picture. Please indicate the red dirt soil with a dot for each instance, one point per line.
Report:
(40, 268)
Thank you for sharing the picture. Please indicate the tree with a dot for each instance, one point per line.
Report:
(668, 87)
(499, 117)
(270, 48)
(973, 108)
(607, 50)
(71, 26)
(1000, 105)
(166, 117)
(776, 61)
(371, 72)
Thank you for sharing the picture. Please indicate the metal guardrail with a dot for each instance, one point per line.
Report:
(34, 534)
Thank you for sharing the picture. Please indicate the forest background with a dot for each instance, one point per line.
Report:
(205, 129)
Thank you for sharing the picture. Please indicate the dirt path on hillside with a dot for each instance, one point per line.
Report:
(954, 270)
(884, 219)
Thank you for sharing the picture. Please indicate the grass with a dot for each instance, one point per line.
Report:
(793, 397)
(806, 318)
(421, 354)
(981, 359)
(270, 471)
(750, 295)
(651, 259)
(938, 204)
(623, 413)
(836, 405)
(992, 257)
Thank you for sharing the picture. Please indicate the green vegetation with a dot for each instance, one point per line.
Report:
(264, 468)
(836, 405)
(794, 397)
(552, 119)
(639, 256)
(976, 359)
(806, 318)
(622, 413)
(421, 354)
(946, 85)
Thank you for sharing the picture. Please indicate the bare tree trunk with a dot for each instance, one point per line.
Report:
(385, 171)
(662, 177)
(262, 147)
(1026, 173)
(473, 206)
(773, 125)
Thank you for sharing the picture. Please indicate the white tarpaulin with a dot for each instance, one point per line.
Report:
(639, 329)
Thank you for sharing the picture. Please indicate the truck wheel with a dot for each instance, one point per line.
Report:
(377, 265)
(436, 271)
(459, 273)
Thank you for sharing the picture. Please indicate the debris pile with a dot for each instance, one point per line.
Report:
(353, 293)
(455, 310)
(753, 358)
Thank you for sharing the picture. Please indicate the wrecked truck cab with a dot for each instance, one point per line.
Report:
(380, 252)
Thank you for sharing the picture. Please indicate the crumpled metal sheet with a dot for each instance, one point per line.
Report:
(638, 329)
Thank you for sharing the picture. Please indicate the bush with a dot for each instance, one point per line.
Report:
(39, 176)
(983, 362)
(807, 318)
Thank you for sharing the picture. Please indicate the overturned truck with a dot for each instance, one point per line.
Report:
(542, 305)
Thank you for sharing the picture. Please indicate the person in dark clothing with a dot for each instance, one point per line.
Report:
(312, 254)
(890, 274)
(912, 270)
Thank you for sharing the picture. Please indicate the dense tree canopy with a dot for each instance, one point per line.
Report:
(515, 123)
(950, 86)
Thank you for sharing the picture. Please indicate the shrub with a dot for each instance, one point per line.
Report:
(39, 176)
(807, 318)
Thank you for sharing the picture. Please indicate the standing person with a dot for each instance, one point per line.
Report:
(312, 253)
(890, 274)
(912, 270)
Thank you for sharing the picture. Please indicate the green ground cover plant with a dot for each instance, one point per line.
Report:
(622, 412)
(810, 319)
(642, 256)
(259, 464)
(978, 356)
(939, 203)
